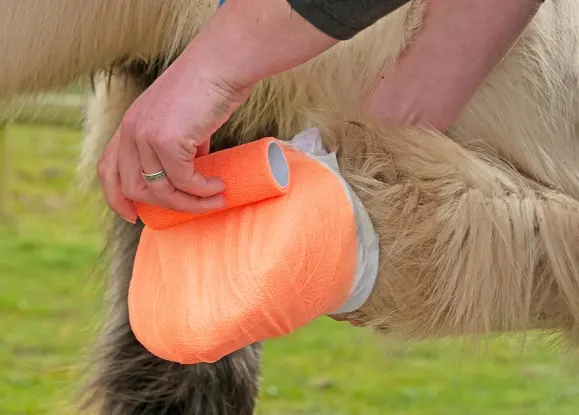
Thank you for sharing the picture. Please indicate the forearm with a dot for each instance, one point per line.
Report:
(458, 46)
(249, 40)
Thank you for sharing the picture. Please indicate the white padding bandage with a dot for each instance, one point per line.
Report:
(310, 142)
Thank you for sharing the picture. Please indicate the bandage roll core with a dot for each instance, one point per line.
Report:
(251, 173)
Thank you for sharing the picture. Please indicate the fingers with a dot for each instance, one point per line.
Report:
(166, 195)
(108, 172)
(143, 144)
(121, 170)
(182, 189)
(133, 185)
(177, 157)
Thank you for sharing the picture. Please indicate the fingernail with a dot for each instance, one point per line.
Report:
(131, 221)
(219, 201)
(216, 202)
(216, 183)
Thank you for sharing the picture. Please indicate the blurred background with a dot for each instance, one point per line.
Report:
(51, 305)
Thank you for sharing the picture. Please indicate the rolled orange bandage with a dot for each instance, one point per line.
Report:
(205, 286)
(252, 172)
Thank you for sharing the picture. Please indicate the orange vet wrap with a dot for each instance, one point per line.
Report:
(247, 180)
(277, 258)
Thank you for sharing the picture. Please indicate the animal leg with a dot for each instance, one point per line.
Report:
(126, 379)
(468, 245)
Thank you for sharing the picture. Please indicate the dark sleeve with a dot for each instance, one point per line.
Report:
(343, 19)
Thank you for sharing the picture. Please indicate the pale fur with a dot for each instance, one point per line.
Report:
(478, 227)
(47, 45)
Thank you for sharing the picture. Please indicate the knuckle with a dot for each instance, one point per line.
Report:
(169, 197)
(162, 194)
(160, 138)
(136, 128)
(129, 191)
(181, 183)
(114, 203)
(153, 136)
(103, 166)
(144, 133)
(128, 123)
(163, 133)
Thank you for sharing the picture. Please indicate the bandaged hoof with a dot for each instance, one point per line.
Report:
(293, 243)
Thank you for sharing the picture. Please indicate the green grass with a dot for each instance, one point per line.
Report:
(50, 305)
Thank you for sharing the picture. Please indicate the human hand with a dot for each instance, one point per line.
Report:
(164, 130)
(172, 121)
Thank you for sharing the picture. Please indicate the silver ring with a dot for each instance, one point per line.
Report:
(153, 177)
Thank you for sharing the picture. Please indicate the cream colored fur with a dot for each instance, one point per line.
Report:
(479, 227)
(49, 44)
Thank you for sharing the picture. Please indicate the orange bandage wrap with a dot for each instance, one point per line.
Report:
(282, 252)
(252, 172)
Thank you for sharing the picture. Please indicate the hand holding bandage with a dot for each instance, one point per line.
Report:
(292, 244)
